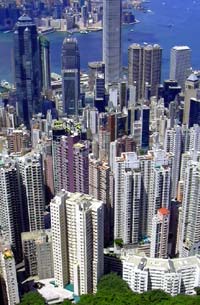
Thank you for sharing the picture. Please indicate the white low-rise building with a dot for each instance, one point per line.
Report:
(174, 276)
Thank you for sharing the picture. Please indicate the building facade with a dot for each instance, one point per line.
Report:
(70, 76)
(27, 68)
(112, 40)
(180, 64)
(77, 236)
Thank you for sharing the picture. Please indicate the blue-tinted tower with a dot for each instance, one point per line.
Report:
(27, 68)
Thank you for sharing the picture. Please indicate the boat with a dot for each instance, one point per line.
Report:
(83, 32)
(6, 32)
(47, 30)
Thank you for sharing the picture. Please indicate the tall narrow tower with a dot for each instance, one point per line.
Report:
(32, 189)
(112, 39)
(180, 64)
(70, 76)
(44, 46)
(144, 68)
(27, 68)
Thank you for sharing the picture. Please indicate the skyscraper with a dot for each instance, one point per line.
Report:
(27, 68)
(32, 188)
(159, 235)
(10, 206)
(70, 76)
(190, 215)
(8, 276)
(100, 187)
(192, 89)
(173, 144)
(44, 48)
(144, 68)
(125, 168)
(112, 39)
(180, 64)
(37, 252)
(145, 119)
(77, 237)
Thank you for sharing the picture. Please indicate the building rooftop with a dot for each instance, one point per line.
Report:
(181, 48)
(192, 78)
(53, 294)
(35, 234)
(166, 265)
(163, 211)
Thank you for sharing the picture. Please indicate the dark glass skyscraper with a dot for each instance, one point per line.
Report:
(27, 68)
(70, 76)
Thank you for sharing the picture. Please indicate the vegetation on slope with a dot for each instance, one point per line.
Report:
(112, 290)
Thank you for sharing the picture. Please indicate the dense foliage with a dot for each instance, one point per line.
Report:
(34, 298)
(112, 290)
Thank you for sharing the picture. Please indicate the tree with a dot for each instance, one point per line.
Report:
(32, 298)
(119, 242)
(197, 289)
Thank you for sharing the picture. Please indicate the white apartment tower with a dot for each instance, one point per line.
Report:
(155, 188)
(173, 144)
(159, 196)
(180, 64)
(190, 215)
(8, 276)
(33, 199)
(77, 236)
(59, 238)
(124, 207)
(159, 235)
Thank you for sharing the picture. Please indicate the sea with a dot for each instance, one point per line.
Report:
(166, 22)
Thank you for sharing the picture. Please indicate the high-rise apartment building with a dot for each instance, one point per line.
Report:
(18, 141)
(189, 238)
(81, 167)
(10, 206)
(32, 191)
(159, 234)
(8, 276)
(100, 187)
(112, 40)
(27, 68)
(159, 195)
(77, 237)
(59, 238)
(37, 252)
(142, 186)
(70, 162)
(124, 207)
(156, 185)
(173, 144)
(70, 76)
(144, 68)
(180, 64)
